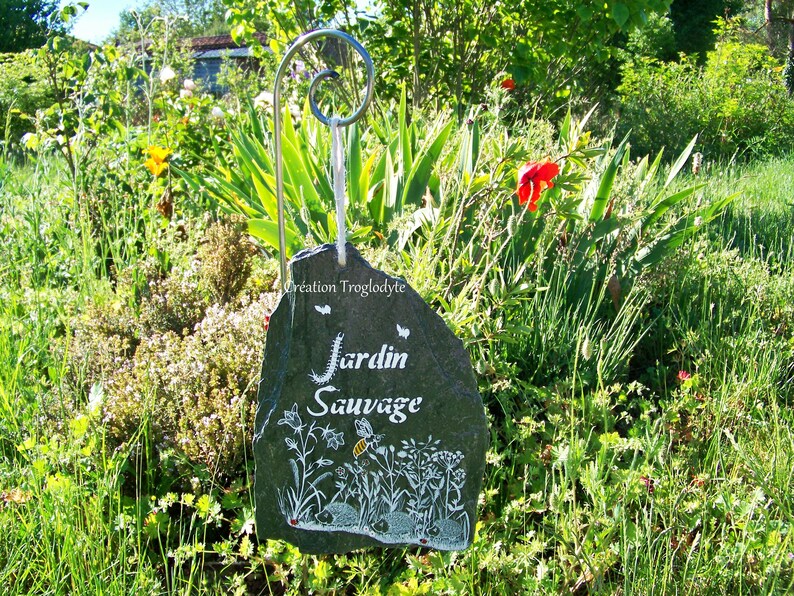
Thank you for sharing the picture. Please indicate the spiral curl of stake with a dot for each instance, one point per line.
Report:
(340, 122)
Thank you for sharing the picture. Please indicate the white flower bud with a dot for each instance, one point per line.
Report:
(185, 93)
(189, 85)
(166, 74)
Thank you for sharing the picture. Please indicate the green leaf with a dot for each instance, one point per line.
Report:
(607, 181)
(662, 204)
(681, 161)
(422, 169)
(356, 192)
(406, 153)
(267, 231)
(621, 14)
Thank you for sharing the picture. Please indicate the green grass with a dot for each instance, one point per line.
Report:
(606, 472)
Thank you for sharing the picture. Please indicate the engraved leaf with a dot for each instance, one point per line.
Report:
(320, 478)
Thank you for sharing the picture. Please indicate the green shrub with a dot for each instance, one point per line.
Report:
(736, 102)
(23, 90)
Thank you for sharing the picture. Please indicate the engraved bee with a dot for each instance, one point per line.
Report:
(368, 437)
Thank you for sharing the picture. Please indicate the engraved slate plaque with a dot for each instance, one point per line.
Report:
(369, 428)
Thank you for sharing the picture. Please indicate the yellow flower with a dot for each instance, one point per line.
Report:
(159, 154)
(155, 167)
(156, 163)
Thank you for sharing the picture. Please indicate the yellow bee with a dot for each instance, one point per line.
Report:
(368, 437)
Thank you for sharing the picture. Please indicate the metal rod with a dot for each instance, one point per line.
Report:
(318, 78)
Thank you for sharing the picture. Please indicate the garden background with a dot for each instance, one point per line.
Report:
(630, 319)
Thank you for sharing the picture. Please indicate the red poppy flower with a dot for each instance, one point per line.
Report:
(508, 84)
(533, 178)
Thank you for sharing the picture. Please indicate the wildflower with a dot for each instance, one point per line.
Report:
(545, 455)
(189, 85)
(648, 482)
(16, 496)
(508, 84)
(697, 163)
(217, 113)
(263, 99)
(166, 74)
(683, 376)
(185, 93)
(292, 418)
(156, 162)
(533, 178)
(29, 140)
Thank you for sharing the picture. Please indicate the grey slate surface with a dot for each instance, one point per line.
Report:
(369, 428)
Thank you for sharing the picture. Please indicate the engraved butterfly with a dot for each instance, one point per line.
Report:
(368, 437)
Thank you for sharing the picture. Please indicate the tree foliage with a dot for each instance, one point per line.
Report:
(453, 50)
(24, 23)
(191, 18)
(693, 22)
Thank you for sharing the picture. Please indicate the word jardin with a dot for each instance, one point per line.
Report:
(386, 358)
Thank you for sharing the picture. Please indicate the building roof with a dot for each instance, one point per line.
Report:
(216, 46)
(221, 42)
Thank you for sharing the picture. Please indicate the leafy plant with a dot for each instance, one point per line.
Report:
(383, 186)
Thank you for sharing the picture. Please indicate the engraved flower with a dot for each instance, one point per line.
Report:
(335, 440)
(292, 419)
(448, 459)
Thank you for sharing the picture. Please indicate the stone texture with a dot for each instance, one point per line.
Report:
(369, 428)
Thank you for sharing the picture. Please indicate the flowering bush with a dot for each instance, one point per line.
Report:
(186, 365)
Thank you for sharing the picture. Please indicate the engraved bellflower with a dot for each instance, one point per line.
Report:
(292, 419)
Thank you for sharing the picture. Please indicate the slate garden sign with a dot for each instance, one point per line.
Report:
(369, 428)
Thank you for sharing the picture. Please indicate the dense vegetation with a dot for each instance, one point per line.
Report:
(631, 325)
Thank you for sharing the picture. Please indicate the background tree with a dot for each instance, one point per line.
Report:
(779, 22)
(191, 18)
(693, 23)
(24, 23)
